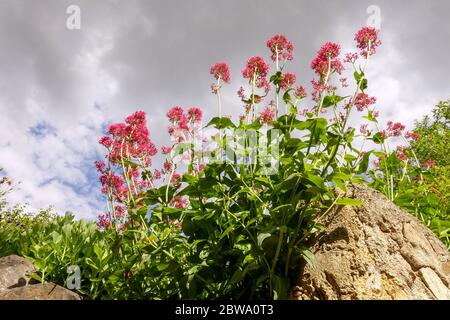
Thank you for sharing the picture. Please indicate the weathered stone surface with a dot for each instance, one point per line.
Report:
(375, 251)
(15, 284)
(42, 291)
(14, 272)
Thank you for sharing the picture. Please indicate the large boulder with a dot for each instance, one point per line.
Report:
(374, 251)
(15, 282)
(41, 291)
(15, 271)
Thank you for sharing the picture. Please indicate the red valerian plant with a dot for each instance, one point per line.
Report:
(234, 222)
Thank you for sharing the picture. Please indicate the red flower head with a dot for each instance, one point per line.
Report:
(136, 118)
(367, 38)
(362, 101)
(412, 135)
(395, 129)
(401, 156)
(221, 71)
(283, 46)
(267, 116)
(363, 129)
(287, 81)
(429, 164)
(300, 93)
(256, 68)
(195, 114)
(327, 58)
(351, 57)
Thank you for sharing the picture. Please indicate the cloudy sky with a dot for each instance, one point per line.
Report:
(59, 88)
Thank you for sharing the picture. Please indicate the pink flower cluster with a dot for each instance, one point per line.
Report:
(280, 46)
(394, 129)
(412, 135)
(287, 80)
(401, 156)
(327, 60)
(181, 123)
(184, 127)
(363, 129)
(257, 69)
(429, 164)
(221, 71)
(367, 38)
(300, 93)
(362, 101)
(130, 140)
(267, 116)
(351, 57)
(130, 151)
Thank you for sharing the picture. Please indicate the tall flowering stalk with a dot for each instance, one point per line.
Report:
(256, 72)
(281, 49)
(130, 152)
(221, 73)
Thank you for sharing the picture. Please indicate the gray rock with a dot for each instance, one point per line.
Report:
(15, 283)
(15, 271)
(41, 291)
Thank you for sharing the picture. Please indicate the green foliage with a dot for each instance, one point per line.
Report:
(421, 185)
(434, 135)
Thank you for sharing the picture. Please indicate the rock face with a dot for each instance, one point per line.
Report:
(374, 251)
(14, 271)
(15, 283)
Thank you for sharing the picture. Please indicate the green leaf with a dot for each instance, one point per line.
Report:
(261, 237)
(361, 80)
(332, 100)
(221, 123)
(378, 138)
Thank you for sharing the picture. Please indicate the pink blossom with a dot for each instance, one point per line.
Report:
(256, 68)
(351, 57)
(375, 113)
(429, 164)
(402, 148)
(362, 101)
(287, 81)
(176, 113)
(117, 129)
(120, 211)
(106, 142)
(104, 221)
(136, 118)
(344, 83)
(166, 150)
(303, 112)
(412, 135)
(280, 44)
(214, 88)
(241, 93)
(167, 166)
(395, 129)
(365, 38)
(300, 92)
(267, 116)
(175, 178)
(157, 174)
(221, 71)
(401, 156)
(195, 114)
(327, 60)
(363, 129)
